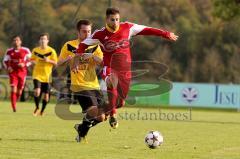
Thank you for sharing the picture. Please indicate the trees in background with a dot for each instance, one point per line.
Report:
(207, 50)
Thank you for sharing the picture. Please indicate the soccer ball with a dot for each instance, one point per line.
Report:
(153, 139)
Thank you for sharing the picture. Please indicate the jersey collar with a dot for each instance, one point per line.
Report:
(111, 30)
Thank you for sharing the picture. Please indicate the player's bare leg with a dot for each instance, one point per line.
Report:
(14, 97)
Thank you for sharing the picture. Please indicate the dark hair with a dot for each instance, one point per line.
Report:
(82, 22)
(44, 34)
(17, 35)
(112, 11)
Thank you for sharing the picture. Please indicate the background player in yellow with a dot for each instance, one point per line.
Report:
(84, 81)
(44, 57)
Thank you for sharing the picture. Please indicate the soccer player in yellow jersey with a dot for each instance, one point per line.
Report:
(44, 57)
(84, 81)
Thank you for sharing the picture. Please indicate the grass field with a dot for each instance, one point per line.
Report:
(205, 134)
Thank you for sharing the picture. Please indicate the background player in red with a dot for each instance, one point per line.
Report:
(16, 61)
(114, 40)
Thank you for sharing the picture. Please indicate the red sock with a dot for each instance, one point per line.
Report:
(112, 97)
(13, 100)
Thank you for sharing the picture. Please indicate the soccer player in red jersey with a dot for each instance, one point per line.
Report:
(114, 40)
(16, 61)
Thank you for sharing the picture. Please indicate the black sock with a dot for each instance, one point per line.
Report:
(95, 122)
(84, 128)
(44, 104)
(36, 100)
(86, 125)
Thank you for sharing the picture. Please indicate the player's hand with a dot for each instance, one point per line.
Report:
(69, 57)
(74, 68)
(21, 65)
(46, 59)
(86, 56)
(173, 37)
(10, 69)
(74, 65)
(33, 62)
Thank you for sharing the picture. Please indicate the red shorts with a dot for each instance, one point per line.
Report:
(124, 80)
(17, 79)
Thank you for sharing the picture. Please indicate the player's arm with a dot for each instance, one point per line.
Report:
(6, 63)
(26, 60)
(33, 58)
(92, 40)
(50, 61)
(97, 59)
(79, 53)
(6, 60)
(53, 58)
(94, 53)
(64, 57)
(62, 61)
(136, 29)
(98, 56)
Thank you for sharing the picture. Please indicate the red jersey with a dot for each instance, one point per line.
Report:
(116, 45)
(14, 57)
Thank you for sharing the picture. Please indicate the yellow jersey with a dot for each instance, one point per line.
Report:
(85, 78)
(42, 70)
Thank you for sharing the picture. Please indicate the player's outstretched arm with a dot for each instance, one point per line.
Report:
(62, 61)
(136, 29)
(158, 32)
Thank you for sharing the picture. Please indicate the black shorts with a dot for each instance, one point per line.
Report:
(90, 98)
(45, 87)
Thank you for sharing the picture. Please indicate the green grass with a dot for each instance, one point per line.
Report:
(208, 135)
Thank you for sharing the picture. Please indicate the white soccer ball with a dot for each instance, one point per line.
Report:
(153, 139)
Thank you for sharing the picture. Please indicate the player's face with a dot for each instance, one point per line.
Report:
(113, 21)
(43, 41)
(84, 32)
(17, 42)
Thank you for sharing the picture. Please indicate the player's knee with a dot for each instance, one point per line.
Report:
(92, 111)
(37, 92)
(46, 97)
(101, 117)
(14, 89)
